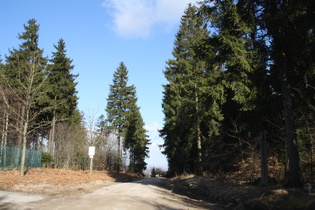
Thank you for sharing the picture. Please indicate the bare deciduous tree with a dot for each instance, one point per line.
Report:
(27, 91)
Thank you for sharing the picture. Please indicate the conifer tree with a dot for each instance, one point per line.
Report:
(62, 81)
(210, 74)
(186, 98)
(136, 140)
(62, 86)
(118, 107)
(281, 35)
(28, 53)
(235, 56)
(256, 61)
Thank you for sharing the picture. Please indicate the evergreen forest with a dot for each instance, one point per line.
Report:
(242, 69)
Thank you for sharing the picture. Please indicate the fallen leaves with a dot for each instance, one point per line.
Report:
(58, 181)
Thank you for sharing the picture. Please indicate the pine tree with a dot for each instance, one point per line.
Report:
(232, 63)
(209, 84)
(62, 81)
(1, 64)
(190, 99)
(62, 94)
(136, 140)
(118, 107)
(177, 146)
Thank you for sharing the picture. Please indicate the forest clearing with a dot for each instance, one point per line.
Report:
(223, 192)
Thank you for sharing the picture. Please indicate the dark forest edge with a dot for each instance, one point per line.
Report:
(242, 68)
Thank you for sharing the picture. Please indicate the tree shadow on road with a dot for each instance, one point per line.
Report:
(164, 187)
(4, 205)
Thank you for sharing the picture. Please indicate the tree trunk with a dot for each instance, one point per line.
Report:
(3, 149)
(264, 159)
(119, 154)
(25, 127)
(5, 133)
(4, 128)
(20, 125)
(295, 174)
(199, 153)
(51, 139)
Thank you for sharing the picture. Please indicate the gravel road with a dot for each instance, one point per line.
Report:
(140, 195)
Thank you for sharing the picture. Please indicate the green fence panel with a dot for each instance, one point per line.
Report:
(10, 157)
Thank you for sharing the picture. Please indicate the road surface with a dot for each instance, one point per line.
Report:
(140, 195)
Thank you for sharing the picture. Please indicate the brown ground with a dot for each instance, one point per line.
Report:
(59, 181)
(226, 192)
(237, 194)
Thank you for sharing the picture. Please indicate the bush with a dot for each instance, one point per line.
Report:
(47, 159)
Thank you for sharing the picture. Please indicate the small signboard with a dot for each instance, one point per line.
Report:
(91, 151)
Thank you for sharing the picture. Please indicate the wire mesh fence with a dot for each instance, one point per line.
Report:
(10, 157)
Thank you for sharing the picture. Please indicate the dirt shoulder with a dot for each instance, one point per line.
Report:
(59, 182)
(236, 194)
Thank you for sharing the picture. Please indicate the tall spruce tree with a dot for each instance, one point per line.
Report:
(62, 86)
(235, 56)
(136, 140)
(209, 84)
(118, 107)
(186, 103)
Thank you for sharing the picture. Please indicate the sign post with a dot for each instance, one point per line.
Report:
(91, 154)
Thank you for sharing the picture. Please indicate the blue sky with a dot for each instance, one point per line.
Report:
(98, 35)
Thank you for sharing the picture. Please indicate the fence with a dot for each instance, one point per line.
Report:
(10, 157)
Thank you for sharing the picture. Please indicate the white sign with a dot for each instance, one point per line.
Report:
(91, 151)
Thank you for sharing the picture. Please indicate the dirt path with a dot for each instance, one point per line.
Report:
(139, 195)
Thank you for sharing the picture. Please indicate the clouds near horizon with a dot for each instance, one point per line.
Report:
(136, 18)
(153, 132)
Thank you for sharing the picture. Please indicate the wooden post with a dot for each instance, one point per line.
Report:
(91, 164)
(264, 160)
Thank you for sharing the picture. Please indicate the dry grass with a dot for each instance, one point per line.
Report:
(58, 181)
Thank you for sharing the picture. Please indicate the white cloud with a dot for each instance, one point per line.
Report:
(136, 18)
(153, 132)
(154, 127)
